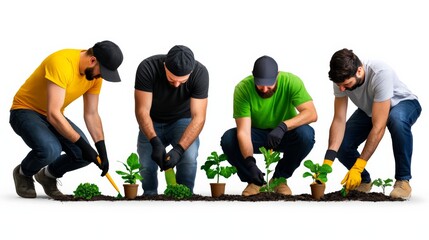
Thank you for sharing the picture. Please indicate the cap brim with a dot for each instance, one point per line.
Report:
(265, 81)
(109, 75)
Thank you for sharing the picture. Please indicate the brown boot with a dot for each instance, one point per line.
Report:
(401, 189)
(364, 187)
(251, 189)
(48, 184)
(283, 189)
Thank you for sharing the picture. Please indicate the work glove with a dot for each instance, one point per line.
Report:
(276, 135)
(353, 177)
(88, 153)
(330, 157)
(173, 157)
(255, 174)
(104, 162)
(158, 151)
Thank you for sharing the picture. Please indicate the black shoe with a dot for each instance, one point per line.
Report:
(48, 184)
(24, 185)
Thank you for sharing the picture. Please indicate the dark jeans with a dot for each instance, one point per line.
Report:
(170, 134)
(401, 118)
(295, 146)
(46, 144)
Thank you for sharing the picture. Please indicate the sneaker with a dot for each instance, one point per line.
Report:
(24, 185)
(364, 187)
(283, 189)
(401, 189)
(251, 189)
(49, 184)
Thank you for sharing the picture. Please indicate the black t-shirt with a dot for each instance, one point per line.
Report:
(170, 103)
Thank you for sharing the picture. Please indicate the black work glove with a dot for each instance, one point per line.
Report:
(276, 135)
(173, 156)
(255, 174)
(88, 153)
(158, 151)
(104, 165)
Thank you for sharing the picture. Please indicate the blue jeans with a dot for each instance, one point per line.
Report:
(401, 118)
(186, 168)
(295, 146)
(46, 144)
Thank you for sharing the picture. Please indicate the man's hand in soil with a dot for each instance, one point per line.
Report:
(255, 174)
(173, 156)
(158, 151)
(353, 177)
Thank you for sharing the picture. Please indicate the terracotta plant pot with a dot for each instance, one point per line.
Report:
(317, 190)
(131, 190)
(217, 189)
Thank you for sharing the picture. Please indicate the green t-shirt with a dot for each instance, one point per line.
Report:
(267, 113)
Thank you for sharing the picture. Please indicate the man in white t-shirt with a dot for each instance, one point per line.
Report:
(382, 101)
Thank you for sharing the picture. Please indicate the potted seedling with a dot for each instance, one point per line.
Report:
(270, 157)
(320, 177)
(131, 176)
(213, 169)
(382, 183)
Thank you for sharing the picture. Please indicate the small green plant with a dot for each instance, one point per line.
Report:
(177, 191)
(382, 183)
(86, 191)
(132, 175)
(317, 172)
(213, 167)
(270, 157)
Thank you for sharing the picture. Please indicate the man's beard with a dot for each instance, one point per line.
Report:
(89, 74)
(359, 82)
(268, 94)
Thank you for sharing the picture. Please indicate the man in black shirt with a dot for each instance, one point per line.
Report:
(171, 94)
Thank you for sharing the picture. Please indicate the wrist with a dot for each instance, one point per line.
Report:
(360, 164)
(330, 155)
(179, 149)
(249, 161)
(283, 126)
(101, 148)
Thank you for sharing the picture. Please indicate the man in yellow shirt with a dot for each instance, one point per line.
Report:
(57, 145)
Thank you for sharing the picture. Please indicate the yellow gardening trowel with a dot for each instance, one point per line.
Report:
(111, 180)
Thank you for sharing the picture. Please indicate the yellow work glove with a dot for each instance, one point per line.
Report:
(330, 156)
(353, 177)
(329, 162)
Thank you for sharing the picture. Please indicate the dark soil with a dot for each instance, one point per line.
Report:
(261, 197)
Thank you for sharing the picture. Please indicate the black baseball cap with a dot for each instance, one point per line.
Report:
(265, 71)
(180, 60)
(110, 57)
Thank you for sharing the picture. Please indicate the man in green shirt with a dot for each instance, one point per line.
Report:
(272, 109)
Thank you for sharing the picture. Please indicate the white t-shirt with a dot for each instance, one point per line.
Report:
(381, 83)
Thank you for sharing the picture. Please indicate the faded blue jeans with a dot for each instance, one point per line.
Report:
(401, 118)
(47, 145)
(170, 134)
(295, 146)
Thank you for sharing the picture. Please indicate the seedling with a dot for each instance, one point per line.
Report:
(382, 183)
(133, 169)
(317, 172)
(178, 191)
(213, 167)
(175, 190)
(86, 191)
(270, 157)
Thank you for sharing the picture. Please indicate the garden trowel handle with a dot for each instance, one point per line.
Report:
(109, 177)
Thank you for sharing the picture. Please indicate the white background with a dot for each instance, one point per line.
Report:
(227, 37)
